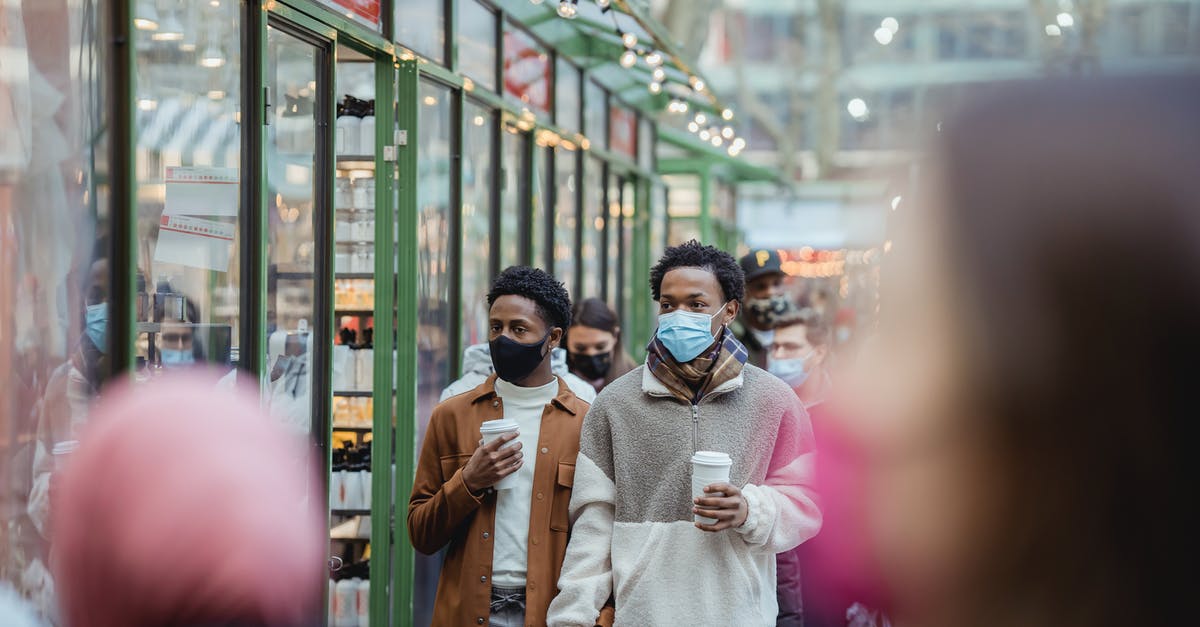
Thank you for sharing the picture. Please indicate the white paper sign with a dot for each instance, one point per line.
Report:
(194, 242)
(201, 191)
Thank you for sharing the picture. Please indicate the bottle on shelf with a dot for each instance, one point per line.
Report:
(366, 140)
(346, 603)
(349, 126)
(364, 602)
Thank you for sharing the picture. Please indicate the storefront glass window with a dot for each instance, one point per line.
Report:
(478, 168)
(645, 144)
(54, 269)
(629, 292)
(514, 174)
(434, 276)
(187, 160)
(526, 70)
(537, 218)
(595, 113)
(612, 241)
(622, 131)
(566, 95)
(477, 43)
(566, 217)
(420, 26)
(593, 229)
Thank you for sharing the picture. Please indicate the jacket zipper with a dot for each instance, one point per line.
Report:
(695, 428)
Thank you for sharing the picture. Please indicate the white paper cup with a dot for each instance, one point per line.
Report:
(708, 467)
(493, 429)
(62, 452)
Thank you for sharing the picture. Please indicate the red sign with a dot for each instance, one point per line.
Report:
(622, 135)
(526, 70)
(365, 10)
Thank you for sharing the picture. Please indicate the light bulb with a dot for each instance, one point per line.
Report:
(1065, 20)
(659, 75)
(656, 88)
(701, 118)
(629, 39)
(857, 108)
(705, 135)
(628, 59)
(697, 84)
(891, 24)
(1053, 30)
(683, 106)
(603, 4)
(716, 140)
(567, 9)
(727, 132)
(654, 59)
(693, 127)
(883, 35)
(727, 114)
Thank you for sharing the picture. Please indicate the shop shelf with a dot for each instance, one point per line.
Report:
(298, 276)
(353, 311)
(350, 512)
(358, 393)
(354, 429)
(356, 162)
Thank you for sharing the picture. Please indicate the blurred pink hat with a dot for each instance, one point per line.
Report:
(185, 505)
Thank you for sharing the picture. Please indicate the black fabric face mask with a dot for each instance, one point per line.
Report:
(592, 367)
(512, 360)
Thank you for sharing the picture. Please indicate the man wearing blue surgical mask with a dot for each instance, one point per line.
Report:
(634, 536)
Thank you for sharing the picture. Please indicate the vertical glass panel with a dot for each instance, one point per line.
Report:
(434, 324)
(477, 43)
(595, 113)
(622, 131)
(511, 206)
(187, 158)
(537, 218)
(292, 217)
(593, 229)
(566, 217)
(629, 292)
(420, 25)
(612, 241)
(54, 265)
(566, 95)
(478, 168)
(658, 233)
(526, 70)
(645, 143)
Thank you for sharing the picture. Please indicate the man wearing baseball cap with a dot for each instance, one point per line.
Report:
(765, 302)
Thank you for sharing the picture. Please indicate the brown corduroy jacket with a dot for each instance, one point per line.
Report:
(443, 512)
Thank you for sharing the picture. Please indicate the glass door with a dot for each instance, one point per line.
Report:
(298, 235)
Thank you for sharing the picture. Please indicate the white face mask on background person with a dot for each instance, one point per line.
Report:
(686, 333)
(793, 372)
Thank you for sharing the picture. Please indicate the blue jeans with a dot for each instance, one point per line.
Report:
(508, 607)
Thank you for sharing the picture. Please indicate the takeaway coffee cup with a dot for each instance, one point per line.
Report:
(62, 451)
(493, 429)
(708, 467)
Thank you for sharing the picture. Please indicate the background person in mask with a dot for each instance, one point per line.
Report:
(505, 547)
(634, 535)
(594, 349)
(766, 301)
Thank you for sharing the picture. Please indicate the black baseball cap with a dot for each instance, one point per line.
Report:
(761, 261)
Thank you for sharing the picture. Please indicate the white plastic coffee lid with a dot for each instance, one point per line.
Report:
(499, 426)
(65, 447)
(711, 458)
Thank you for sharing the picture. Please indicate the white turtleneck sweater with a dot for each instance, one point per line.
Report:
(509, 559)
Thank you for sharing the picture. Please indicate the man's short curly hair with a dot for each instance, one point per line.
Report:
(693, 254)
(553, 302)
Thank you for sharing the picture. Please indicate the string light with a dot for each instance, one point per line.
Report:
(701, 118)
(629, 39)
(656, 88)
(654, 59)
(567, 9)
(727, 115)
(696, 83)
(693, 127)
(603, 4)
(628, 59)
(659, 75)
(727, 132)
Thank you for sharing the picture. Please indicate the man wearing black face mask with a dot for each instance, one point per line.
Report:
(766, 301)
(506, 542)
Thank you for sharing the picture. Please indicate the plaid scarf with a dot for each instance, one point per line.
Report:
(692, 381)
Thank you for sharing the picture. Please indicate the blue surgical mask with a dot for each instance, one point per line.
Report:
(175, 358)
(686, 333)
(793, 372)
(96, 327)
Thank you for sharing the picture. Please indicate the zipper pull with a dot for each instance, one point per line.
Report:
(695, 428)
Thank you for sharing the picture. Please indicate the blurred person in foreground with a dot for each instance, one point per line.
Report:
(1030, 430)
(635, 535)
(186, 508)
(766, 300)
(594, 349)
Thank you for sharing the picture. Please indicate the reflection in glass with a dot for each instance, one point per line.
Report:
(477, 43)
(54, 270)
(627, 294)
(291, 231)
(434, 326)
(187, 160)
(566, 95)
(526, 70)
(595, 113)
(566, 217)
(537, 218)
(479, 125)
(420, 26)
(593, 229)
(513, 145)
(612, 242)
